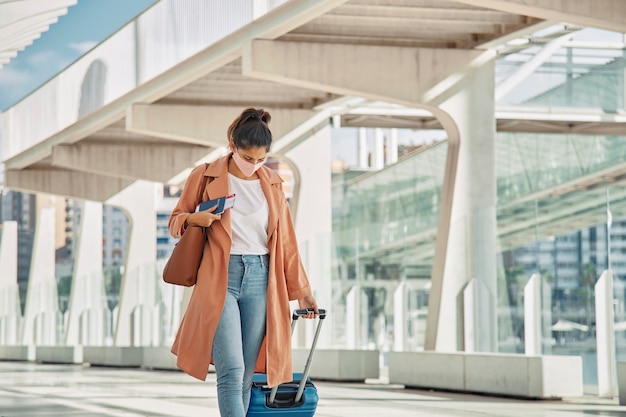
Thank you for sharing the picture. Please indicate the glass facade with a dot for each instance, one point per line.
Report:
(555, 194)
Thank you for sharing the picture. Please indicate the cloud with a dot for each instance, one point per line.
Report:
(42, 58)
(82, 47)
(11, 77)
(21, 77)
(47, 61)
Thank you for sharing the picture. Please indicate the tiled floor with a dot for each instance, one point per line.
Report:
(36, 390)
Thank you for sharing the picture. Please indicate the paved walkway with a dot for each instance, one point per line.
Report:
(36, 390)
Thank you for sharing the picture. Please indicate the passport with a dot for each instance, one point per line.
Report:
(222, 204)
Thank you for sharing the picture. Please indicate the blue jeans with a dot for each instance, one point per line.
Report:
(240, 332)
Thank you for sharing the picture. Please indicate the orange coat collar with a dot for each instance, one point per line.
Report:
(271, 183)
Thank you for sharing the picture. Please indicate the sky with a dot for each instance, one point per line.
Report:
(84, 26)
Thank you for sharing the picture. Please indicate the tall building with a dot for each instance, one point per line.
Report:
(21, 208)
(165, 242)
(115, 233)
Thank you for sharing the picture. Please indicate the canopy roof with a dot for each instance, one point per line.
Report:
(23, 21)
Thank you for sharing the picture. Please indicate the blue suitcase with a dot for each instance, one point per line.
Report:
(297, 398)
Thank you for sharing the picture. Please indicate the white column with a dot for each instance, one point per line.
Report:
(10, 314)
(475, 315)
(391, 146)
(400, 317)
(87, 299)
(42, 301)
(353, 312)
(172, 297)
(546, 317)
(137, 290)
(378, 151)
(605, 336)
(362, 148)
(471, 252)
(532, 316)
(312, 159)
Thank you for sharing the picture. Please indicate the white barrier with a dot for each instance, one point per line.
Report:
(543, 377)
(339, 364)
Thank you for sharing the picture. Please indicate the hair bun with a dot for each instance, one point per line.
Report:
(246, 130)
(264, 116)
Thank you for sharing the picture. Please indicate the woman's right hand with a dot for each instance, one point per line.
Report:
(203, 218)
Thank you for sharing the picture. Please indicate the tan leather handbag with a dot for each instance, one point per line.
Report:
(182, 267)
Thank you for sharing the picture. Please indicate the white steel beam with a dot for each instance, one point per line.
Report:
(202, 125)
(66, 183)
(602, 14)
(290, 15)
(402, 75)
(529, 67)
(132, 161)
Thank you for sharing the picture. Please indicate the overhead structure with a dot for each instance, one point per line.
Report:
(206, 85)
(23, 21)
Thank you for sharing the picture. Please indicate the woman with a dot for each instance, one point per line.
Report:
(238, 315)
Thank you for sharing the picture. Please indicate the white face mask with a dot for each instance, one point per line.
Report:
(247, 168)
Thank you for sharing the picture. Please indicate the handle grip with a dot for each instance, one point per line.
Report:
(303, 312)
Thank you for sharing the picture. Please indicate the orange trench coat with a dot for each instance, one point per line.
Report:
(287, 279)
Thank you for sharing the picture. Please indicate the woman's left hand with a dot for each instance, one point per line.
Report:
(308, 302)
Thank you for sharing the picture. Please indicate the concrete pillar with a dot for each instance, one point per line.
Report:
(313, 219)
(87, 299)
(400, 317)
(353, 319)
(471, 252)
(532, 316)
(605, 336)
(10, 314)
(42, 301)
(363, 148)
(172, 302)
(378, 150)
(475, 315)
(391, 147)
(138, 287)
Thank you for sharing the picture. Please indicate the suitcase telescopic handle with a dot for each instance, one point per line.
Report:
(296, 315)
(304, 311)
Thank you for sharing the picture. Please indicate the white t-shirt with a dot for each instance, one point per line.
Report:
(249, 217)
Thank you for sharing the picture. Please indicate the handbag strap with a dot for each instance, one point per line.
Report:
(200, 191)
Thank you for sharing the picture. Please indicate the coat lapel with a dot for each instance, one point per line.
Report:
(270, 183)
(217, 186)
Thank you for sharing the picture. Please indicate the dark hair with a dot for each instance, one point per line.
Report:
(251, 129)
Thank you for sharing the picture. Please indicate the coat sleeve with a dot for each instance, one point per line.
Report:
(187, 202)
(297, 282)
